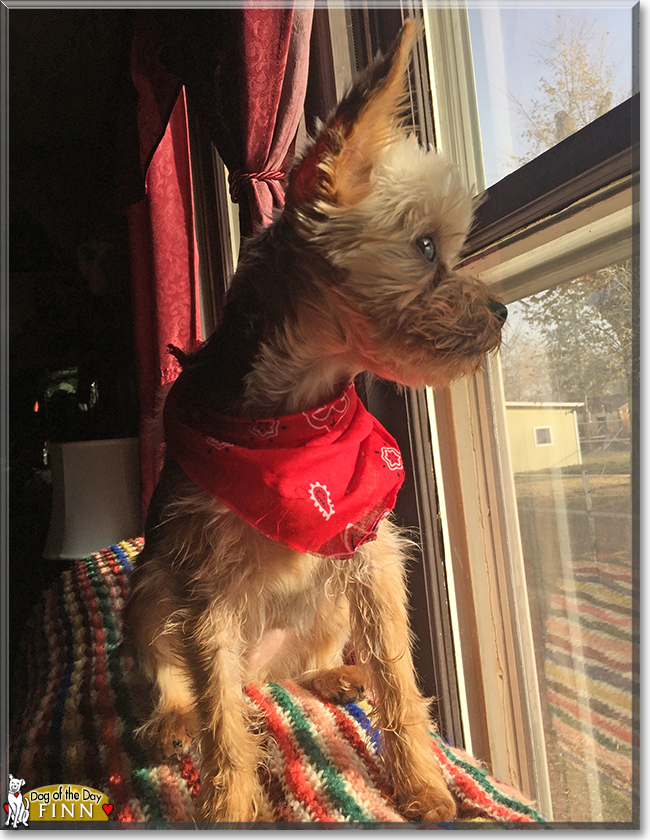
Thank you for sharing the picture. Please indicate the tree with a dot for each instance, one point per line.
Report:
(583, 329)
(524, 364)
(577, 87)
(583, 334)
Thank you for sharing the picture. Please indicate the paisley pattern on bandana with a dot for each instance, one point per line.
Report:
(319, 481)
(321, 498)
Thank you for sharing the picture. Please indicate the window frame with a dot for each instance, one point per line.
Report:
(212, 222)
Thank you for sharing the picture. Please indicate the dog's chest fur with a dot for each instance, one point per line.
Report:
(284, 596)
(267, 602)
(283, 629)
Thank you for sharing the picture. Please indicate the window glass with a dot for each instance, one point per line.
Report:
(566, 361)
(542, 73)
(543, 436)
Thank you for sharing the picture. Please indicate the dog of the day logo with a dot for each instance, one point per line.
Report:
(17, 807)
(55, 803)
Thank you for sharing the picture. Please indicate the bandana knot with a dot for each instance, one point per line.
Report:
(318, 481)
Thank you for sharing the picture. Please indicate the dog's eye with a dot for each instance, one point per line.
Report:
(426, 247)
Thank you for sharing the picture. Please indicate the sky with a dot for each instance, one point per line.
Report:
(507, 58)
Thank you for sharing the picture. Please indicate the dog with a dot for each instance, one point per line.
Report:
(17, 805)
(269, 551)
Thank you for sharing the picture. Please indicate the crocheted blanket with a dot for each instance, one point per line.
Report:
(77, 723)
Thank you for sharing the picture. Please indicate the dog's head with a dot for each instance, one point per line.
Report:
(15, 784)
(392, 218)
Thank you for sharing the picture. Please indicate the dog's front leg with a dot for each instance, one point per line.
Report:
(230, 790)
(381, 640)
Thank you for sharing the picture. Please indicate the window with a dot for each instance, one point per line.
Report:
(575, 521)
(543, 436)
(535, 458)
(542, 73)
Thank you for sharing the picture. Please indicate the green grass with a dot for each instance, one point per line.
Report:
(609, 462)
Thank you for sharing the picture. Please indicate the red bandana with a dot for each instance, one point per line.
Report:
(320, 481)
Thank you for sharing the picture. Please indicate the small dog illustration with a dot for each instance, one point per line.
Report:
(269, 552)
(17, 804)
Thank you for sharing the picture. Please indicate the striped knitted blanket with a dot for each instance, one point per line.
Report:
(77, 723)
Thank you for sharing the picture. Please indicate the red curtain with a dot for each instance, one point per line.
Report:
(270, 93)
(164, 281)
(247, 76)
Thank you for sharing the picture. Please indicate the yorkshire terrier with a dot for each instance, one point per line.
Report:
(269, 554)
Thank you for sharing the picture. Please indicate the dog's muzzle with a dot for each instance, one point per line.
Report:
(499, 310)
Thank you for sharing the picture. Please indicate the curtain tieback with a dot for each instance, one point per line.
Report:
(177, 353)
(239, 179)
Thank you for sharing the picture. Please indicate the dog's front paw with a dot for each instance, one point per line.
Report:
(420, 791)
(343, 684)
(429, 802)
(230, 797)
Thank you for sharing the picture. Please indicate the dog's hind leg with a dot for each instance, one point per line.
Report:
(153, 632)
(380, 638)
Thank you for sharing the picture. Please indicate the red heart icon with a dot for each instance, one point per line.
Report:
(6, 808)
(107, 808)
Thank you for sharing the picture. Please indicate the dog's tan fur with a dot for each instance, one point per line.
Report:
(334, 287)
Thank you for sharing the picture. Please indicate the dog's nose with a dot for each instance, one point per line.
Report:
(499, 310)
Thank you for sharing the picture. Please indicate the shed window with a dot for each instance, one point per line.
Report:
(543, 436)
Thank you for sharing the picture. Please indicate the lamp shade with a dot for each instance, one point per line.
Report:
(95, 496)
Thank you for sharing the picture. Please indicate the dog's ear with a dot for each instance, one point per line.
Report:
(336, 170)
